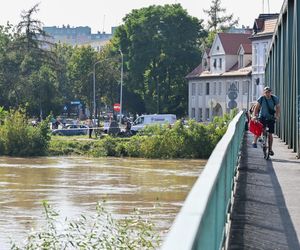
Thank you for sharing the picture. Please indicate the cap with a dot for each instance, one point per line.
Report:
(267, 89)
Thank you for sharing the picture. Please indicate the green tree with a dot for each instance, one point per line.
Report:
(217, 21)
(25, 59)
(160, 46)
(80, 73)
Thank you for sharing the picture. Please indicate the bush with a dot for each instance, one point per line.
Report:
(20, 138)
(196, 140)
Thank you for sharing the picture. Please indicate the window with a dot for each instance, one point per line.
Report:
(207, 88)
(193, 113)
(200, 115)
(193, 89)
(215, 88)
(220, 88)
(200, 88)
(207, 114)
(215, 63)
(265, 53)
(241, 61)
(255, 54)
(220, 63)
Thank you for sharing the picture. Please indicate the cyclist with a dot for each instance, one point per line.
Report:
(267, 110)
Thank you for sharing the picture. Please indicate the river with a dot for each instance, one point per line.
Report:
(74, 185)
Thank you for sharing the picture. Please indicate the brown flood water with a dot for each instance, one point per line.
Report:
(73, 186)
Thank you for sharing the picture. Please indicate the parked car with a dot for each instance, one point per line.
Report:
(72, 129)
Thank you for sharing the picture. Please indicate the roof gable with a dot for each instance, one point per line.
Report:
(245, 49)
(232, 41)
(217, 47)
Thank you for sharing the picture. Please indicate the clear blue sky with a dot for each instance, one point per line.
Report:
(101, 15)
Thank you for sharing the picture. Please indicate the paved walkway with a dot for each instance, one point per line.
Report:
(266, 210)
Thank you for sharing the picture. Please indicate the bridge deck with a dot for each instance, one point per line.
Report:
(266, 210)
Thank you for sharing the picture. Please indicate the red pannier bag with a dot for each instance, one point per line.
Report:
(255, 127)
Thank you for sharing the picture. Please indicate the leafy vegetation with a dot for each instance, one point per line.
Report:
(218, 22)
(100, 231)
(45, 77)
(19, 138)
(194, 140)
(161, 46)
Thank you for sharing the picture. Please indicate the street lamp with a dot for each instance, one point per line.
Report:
(94, 86)
(121, 87)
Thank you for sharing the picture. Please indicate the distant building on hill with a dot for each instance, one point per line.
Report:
(81, 35)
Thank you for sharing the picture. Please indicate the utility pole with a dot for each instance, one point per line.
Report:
(121, 87)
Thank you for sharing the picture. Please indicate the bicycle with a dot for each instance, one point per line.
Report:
(266, 142)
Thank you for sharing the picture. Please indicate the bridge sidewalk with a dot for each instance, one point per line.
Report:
(266, 210)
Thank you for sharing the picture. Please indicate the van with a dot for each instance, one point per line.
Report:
(145, 120)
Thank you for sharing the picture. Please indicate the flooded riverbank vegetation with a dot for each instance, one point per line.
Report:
(191, 140)
(100, 231)
(19, 138)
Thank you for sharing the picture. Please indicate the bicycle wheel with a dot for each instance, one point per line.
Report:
(267, 150)
(264, 145)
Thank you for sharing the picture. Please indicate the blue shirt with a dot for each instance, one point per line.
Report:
(264, 110)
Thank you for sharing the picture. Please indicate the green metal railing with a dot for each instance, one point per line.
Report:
(201, 223)
(282, 72)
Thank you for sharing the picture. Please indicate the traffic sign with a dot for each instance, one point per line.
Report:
(117, 107)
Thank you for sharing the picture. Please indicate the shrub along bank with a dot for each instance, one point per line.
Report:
(19, 138)
(193, 140)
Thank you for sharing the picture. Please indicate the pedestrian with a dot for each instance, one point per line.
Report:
(266, 111)
(90, 125)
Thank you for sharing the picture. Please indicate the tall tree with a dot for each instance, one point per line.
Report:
(217, 21)
(27, 55)
(160, 46)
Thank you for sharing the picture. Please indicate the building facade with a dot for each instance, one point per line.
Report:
(223, 79)
(77, 36)
(261, 38)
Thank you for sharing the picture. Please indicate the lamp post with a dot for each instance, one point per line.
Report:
(121, 87)
(94, 86)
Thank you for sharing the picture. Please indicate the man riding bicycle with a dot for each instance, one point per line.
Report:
(267, 110)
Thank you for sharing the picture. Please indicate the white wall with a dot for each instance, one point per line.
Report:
(259, 50)
(217, 95)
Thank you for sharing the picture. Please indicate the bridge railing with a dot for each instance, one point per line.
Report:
(282, 73)
(201, 222)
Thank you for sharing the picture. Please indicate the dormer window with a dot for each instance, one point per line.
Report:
(215, 63)
(220, 63)
(218, 48)
(241, 61)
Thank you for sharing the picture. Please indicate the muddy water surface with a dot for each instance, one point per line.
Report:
(74, 185)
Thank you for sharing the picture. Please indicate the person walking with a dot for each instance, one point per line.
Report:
(267, 111)
(90, 124)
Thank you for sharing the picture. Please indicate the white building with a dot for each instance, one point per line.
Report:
(261, 38)
(223, 79)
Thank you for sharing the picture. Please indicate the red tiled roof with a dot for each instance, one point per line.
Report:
(196, 72)
(247, 48)
(232, 41)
